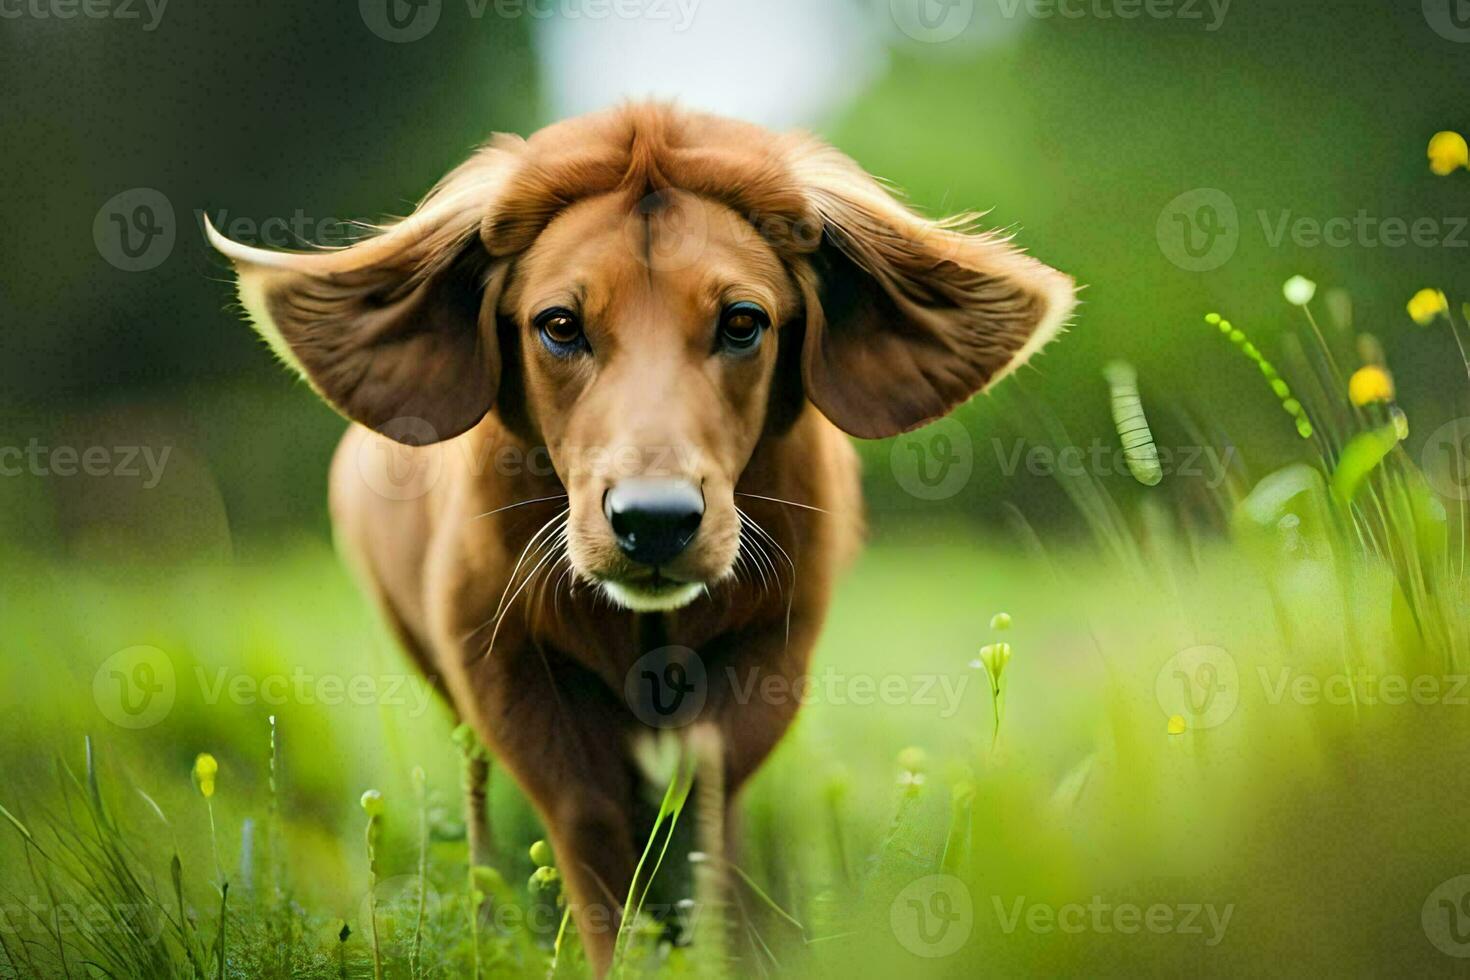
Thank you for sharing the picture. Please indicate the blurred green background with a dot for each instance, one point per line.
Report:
(1324, 826)
(1075, 132)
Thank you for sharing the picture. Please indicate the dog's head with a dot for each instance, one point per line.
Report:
(648, 293)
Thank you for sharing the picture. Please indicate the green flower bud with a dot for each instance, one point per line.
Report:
(913, 759)
(994, 657)
(372, 803)
(487, 879)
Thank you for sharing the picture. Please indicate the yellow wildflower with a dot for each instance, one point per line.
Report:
(1176, 725)
(205, 769)
(1448, 153)
(1426, 305)
(1370, 384)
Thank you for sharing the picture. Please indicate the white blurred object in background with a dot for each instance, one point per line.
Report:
(780, 63)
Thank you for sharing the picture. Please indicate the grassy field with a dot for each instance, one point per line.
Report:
(1286, 823)
(1221, 731)
(1066, 718)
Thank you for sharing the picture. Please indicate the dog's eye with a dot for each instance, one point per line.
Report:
(561, 331)
(741, 327)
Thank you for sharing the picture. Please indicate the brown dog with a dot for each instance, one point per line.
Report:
(626, 346)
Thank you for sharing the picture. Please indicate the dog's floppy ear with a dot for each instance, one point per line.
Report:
(908, 317)
(400, 325)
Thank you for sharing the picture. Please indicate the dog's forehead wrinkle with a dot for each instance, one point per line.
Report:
(647, 245)
(609, 256)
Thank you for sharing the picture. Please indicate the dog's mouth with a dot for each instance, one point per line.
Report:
(650, 591)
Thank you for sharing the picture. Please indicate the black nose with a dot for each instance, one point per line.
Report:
(654, 519)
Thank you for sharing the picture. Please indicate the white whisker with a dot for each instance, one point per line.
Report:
(766, 536)
(520, 503)
(763, 560)
(752, 548)
(530, 577)
(548, 526)
(790, 562)
(511, 579)
(778, 500)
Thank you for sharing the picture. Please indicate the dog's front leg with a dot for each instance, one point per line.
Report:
(562, 735)
(759, 684)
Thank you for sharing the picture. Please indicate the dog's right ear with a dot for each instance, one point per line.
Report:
(400, 325)
(907, 317)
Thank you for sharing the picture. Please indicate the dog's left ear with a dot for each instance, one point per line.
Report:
(401, 325)
(909, 317)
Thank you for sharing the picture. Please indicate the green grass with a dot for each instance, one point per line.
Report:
(1323, 827)
(1232, 740)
